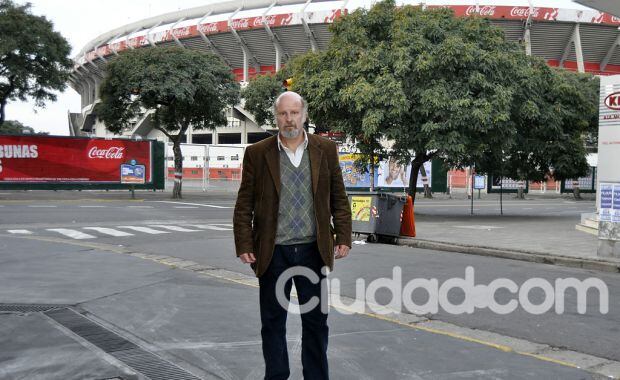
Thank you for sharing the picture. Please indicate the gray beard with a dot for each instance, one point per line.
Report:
(291, 134)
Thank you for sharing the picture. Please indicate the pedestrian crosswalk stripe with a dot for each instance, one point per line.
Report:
(73, 234)
(146, 230)
(210, 227)
(174, 228)
(21, 232)
(109, 231)
(222, 224)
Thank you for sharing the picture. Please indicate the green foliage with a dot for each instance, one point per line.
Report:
(447, 87)
(261, 93)
(181, 86)
(14, 127)
(34, 59)
(553, 110)
(428, 81)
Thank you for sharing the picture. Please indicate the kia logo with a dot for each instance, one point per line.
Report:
(612, 101)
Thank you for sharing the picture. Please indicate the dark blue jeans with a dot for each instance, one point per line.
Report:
(273, 315)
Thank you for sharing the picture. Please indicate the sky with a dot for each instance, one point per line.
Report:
(80, 21)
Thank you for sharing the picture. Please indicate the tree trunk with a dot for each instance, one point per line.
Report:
(413, 177)
(2, 106)
(372, 173)
(178, 169)
(427, 188)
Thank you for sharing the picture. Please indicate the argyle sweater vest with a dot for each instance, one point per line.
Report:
(296, 219)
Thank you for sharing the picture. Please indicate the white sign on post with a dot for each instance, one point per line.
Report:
(608, 171)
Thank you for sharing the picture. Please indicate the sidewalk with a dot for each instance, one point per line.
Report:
(537, 229)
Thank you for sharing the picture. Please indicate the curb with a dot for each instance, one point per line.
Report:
(529, 256)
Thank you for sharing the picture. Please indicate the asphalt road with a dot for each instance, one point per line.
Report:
(200, 229)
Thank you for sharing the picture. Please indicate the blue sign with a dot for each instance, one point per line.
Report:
(606, 191)
(133, 174)
(615, 213)
(479, 182)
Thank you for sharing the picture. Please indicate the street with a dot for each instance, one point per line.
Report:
(163, 276)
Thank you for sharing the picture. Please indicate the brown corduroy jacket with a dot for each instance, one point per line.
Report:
(256, 211)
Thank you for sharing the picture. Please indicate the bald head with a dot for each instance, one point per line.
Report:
(291, 96)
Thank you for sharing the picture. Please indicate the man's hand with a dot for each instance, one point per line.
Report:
(247, 258)
(341, 251)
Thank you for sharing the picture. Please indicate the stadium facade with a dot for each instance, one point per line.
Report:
(260, 36)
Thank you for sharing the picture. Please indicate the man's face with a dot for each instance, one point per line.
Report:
(290, 116)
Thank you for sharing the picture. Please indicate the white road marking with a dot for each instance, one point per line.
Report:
(146, 230)
(478, 227)
(185, 207)
(109, 231)
(194, 204)
(222, 224)
(42, 206)
(73, 234)
(20, 232)
(174, 228)
(211, 227)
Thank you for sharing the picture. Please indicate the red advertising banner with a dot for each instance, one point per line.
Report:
(49, 159)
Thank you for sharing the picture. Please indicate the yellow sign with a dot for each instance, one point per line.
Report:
(360, 208)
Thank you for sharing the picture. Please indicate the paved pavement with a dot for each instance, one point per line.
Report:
(150, 287)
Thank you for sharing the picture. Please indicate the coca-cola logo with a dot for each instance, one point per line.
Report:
(523, 12)
(269, 20)
(112, 153)
(181, 32)
(612, 101)
(241, 23)
(487, 10)
(208, 28)
(615, 19)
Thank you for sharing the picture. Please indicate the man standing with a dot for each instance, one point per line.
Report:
(291, 192)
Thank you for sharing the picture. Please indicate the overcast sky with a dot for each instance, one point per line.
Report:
(80, 21)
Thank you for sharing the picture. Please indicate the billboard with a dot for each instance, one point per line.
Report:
(55, 159)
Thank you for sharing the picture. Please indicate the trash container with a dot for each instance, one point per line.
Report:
(376, 213)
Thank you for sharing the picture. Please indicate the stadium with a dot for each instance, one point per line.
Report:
(260, 36)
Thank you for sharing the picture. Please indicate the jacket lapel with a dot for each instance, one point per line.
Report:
(316, 154)
(272, 157)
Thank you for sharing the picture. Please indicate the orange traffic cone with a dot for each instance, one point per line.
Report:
(407, 226)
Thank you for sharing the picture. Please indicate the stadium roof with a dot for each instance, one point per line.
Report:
(609, 6)
(257, 36)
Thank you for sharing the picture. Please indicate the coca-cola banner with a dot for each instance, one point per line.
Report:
(49, 159)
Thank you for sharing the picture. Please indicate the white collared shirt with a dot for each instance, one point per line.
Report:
(297, 155)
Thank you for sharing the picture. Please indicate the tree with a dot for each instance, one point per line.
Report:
(181, 87)
(434, 84)
(553, 112)
(34, 59)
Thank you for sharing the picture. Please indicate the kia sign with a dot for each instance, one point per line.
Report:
(55, 160)
(612, 101)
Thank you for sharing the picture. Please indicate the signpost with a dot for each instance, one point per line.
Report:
(133, 174)
(608, 171)
(479, 183)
